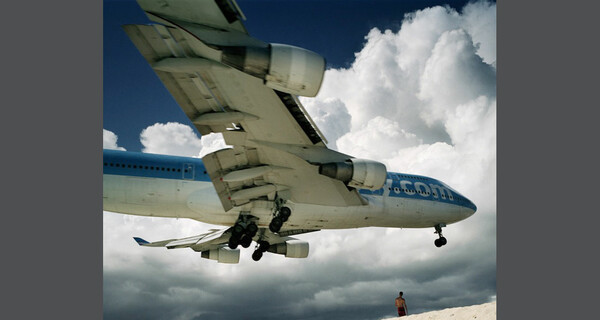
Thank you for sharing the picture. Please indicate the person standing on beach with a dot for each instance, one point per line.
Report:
(401, 305)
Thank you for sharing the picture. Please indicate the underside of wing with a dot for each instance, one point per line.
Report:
(230, 83)
(217, 14)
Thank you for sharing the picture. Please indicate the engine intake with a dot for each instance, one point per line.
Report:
(291, 249)
(357, 173)
(222, 255)
(283, 67)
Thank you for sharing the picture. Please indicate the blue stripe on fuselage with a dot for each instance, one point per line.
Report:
(149, 165)
(421, 187)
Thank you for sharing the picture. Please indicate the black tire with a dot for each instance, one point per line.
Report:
(263, 246)
(438, 243)
(256, 255)
(233, 242)
(245, 241)
(285, 213)
(275, 224)
(443, 241)
(238, 230)
(251, 230)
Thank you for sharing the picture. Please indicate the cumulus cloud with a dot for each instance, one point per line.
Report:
(109, 140)
(422, 100)
(331, 116)
(170, 138)
(211, 143)
(426, 94)
(178, 139)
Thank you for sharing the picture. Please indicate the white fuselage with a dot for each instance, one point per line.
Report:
(406, 201)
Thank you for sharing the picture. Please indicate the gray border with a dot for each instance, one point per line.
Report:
(52, 256)
(546, 89)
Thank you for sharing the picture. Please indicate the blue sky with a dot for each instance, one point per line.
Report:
(134, 98)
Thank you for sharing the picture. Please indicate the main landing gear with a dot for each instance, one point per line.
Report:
(242, 232)
(441, 241)
(282, 214)
(280, 217)
(245, 229)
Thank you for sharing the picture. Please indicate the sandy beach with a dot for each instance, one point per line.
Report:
(486, 311)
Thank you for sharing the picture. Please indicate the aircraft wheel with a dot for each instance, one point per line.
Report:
(246, 241)
(285, 213)
(251, 230)
(233, 242)
(256, 255)
(275, 224)
(443, 241)
(438, 243)
(238, 230)
(263, 246)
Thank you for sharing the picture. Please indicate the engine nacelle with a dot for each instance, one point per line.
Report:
(285, 68)
(222, 255)
(291, 249)
(357, 173)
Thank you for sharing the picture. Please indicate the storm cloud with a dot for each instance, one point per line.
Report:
(422, 100)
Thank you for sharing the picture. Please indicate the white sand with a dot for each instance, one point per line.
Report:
(486, 311)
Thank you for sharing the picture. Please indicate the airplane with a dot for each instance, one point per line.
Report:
(278, 178)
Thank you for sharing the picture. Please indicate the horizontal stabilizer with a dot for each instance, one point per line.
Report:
(140, 241)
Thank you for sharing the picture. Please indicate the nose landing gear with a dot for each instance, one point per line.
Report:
(441, 241)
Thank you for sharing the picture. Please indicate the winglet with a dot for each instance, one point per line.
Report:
(140, 241)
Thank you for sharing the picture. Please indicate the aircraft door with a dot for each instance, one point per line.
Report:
(188, 171)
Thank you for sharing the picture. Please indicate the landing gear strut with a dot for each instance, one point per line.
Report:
(441, 241)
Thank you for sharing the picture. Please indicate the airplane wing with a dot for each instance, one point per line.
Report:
(214, 244)
(228, 82)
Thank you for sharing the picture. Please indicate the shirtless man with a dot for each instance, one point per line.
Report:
(401, 305)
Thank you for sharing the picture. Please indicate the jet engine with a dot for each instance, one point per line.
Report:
(222, 255)
(291, 249)
(283, 67)
(357, 173)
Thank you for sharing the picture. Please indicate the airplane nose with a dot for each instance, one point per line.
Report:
(471, 207)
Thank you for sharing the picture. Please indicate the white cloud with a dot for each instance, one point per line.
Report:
(178, 139)
(109, 140)
(480, 22)
(331, 116)
(423, 99)
(171, 138)
(386, 134)
(211, 143)
(454, 74)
